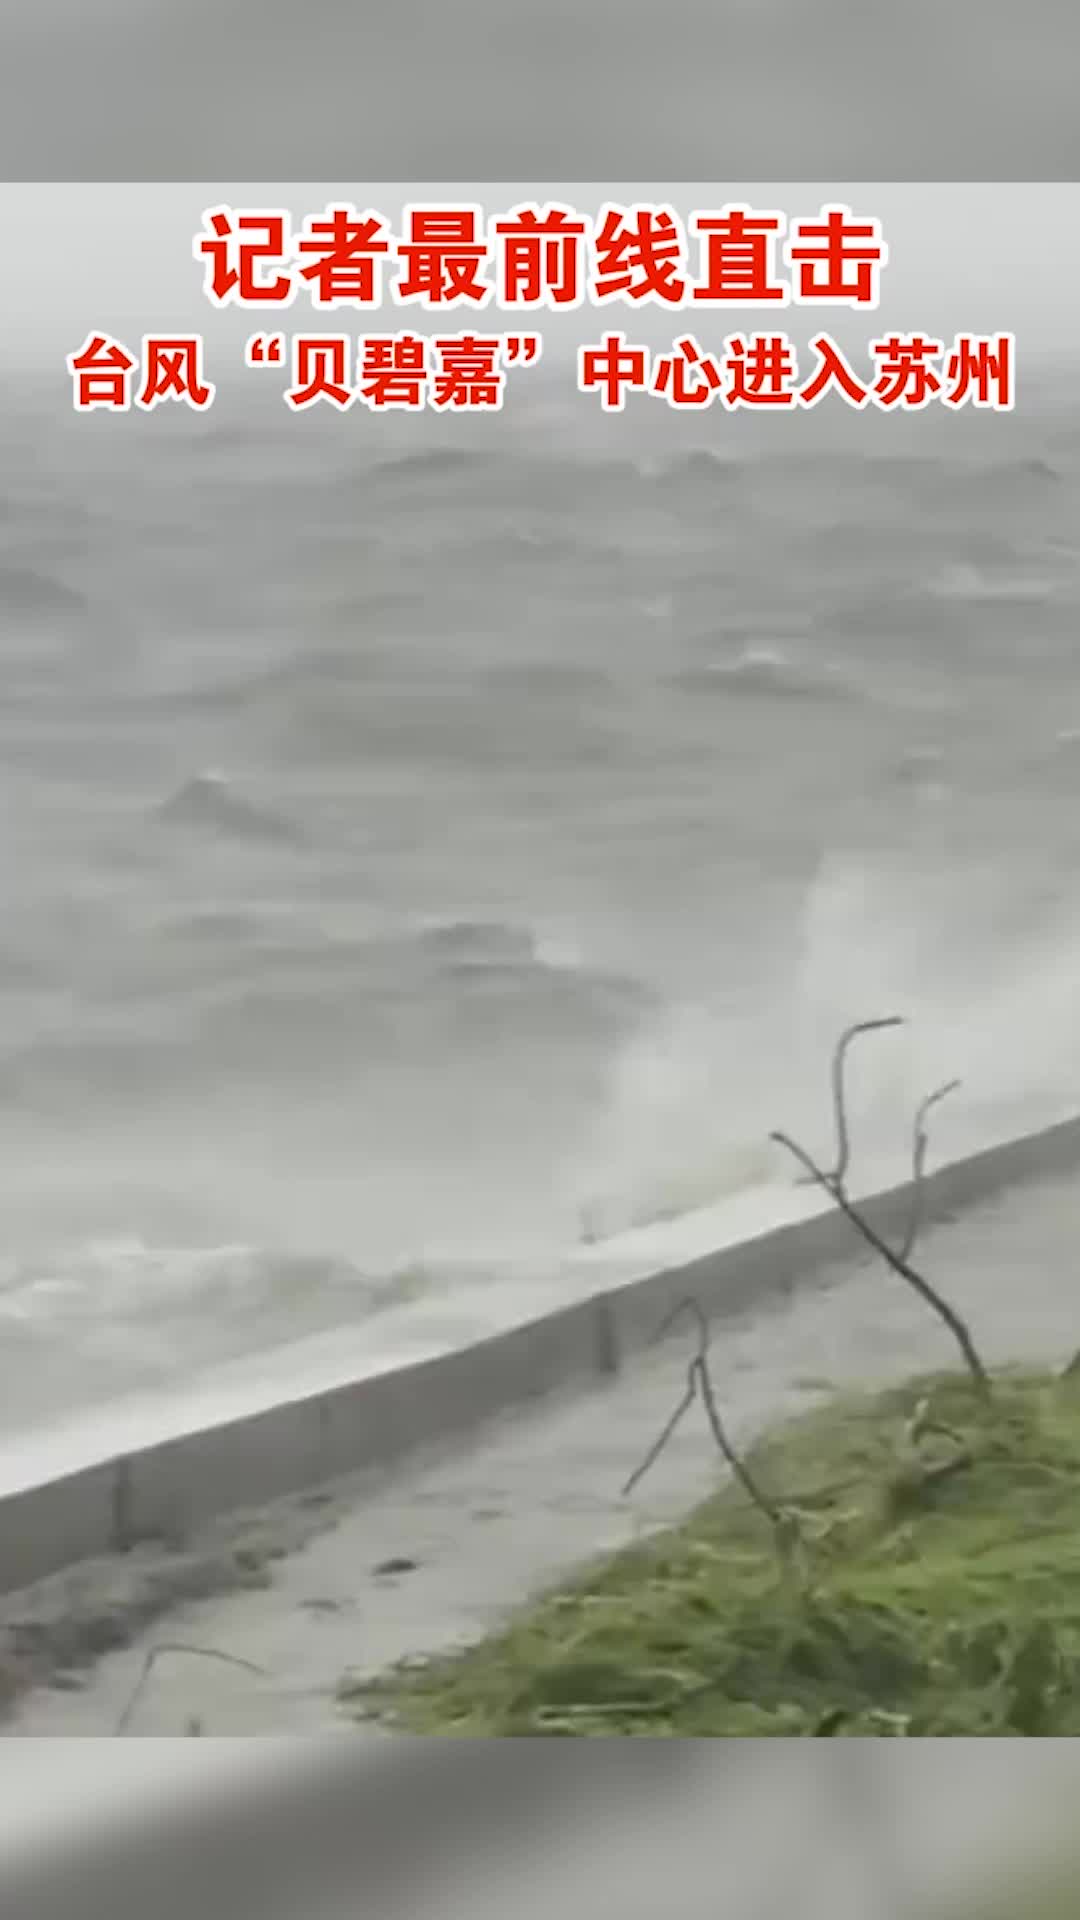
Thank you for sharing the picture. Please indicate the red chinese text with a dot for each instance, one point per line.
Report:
(443, 254)
(101, 371)
(837, 259)
(688, 377)
(539, 257)
(740, 256)
(246, 253)
(639, 254)
(613, 368)
(171, 369)
(320, 371)
(762, 371)
(394, 371)
(979, 372)
(343, 253)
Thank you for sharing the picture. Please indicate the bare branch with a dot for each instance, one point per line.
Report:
(933, 1299)
(931, 1100)
(659, 1444)
(691, 1306)
(839, 1059)
(920, 1141)
(155, 1653)
(699, 1384)
(738, 1466)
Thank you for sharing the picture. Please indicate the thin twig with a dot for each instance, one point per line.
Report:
(696, 1310)
(920, 1142)
(843, 1137)
(175, 1646)
(738, 1466)
(692, 1306)
(660, 1443)
(699, 1385)
(933, 1299)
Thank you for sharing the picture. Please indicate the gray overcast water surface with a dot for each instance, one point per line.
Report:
(416, 836)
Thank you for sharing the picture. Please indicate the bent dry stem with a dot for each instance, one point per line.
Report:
(957, 1327)
(839, 1061)
(699, 1386)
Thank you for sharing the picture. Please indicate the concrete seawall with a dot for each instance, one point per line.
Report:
(164, 1490)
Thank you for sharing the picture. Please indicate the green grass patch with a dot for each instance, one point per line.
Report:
(916, 1605)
